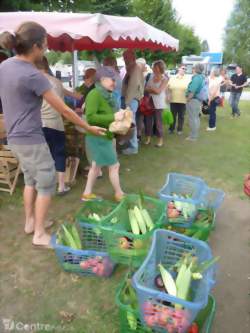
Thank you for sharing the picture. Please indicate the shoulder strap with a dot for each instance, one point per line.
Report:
(147, 78)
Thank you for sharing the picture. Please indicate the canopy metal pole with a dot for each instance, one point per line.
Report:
(75, 70)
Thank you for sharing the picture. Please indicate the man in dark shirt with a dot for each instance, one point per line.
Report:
(238, 82)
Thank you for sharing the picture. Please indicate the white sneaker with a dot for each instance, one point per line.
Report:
(190, 139)
(211, 128)
(179, 133)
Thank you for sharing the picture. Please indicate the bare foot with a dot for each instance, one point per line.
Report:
(119, 196)
(29, 226)
(42, 240)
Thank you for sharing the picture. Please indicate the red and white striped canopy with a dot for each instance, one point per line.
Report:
(73, 31)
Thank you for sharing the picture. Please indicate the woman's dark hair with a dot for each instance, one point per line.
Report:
(27, 35)
(42, 64)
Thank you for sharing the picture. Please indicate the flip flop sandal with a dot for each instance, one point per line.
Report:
(65, 191)
(90, 197)
(120, 198)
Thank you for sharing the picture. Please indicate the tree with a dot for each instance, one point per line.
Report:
(113, 7)
(204, 46)
(237, 36)
(15, 5)
(162, 15)
(159, 13)
(189, 42)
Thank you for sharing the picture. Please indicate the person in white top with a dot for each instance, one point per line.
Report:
(156, 87)
(213, 97)
(53, 126)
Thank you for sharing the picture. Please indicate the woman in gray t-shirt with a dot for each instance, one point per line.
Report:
(22, 89)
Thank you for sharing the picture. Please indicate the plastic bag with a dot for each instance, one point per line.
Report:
(167, 117)
(122, 127)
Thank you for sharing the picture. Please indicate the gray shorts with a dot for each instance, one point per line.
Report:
(38, 166)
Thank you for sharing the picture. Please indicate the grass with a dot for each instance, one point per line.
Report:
(33, 287)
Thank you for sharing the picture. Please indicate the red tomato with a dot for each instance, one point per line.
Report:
(194, 328)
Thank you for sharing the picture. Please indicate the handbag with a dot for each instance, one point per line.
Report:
(146, 105)
(217, 100)
(205, 108)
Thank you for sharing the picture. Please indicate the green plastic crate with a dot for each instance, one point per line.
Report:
(123, 246)
(130, 319)
(204, 232)
(91, 230)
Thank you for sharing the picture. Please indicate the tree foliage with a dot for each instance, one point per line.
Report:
(162, 15)
(237, 36)
(112, 7)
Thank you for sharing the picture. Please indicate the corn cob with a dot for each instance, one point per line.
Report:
(133, 222)
(147, 219)
(69, 239)
(140, 220)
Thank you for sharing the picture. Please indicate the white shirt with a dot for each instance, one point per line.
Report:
(158, 99)
(214, 86)
(50, 117)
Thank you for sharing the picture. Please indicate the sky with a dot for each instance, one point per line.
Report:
(207, 17)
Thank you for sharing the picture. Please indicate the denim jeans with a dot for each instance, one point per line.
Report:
(234, 102)
(212, 114)
(194, 109)
(133, 142)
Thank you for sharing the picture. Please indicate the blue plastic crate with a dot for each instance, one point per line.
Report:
(192, 190)
(167, 248)
(212, 198)
(181, 184)
(71, 260)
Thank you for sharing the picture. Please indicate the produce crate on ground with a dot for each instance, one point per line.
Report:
(90, 218)
(206, 316)
(82, 261)
(184, 195)
(201, 228)
(130, 317)
(174, 281)
(128, 235)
